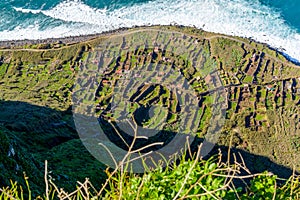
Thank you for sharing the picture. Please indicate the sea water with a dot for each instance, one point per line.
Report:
(275, 22)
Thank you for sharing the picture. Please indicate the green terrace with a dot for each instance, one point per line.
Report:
(162, 87)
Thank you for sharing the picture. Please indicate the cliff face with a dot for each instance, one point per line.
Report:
(36, 119)
(261, 99)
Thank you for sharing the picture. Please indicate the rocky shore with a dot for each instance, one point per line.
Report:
(8, 44)
(66, 40)
(11, 44)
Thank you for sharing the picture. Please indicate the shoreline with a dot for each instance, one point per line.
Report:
(9, 44)
(6, 44)
(69, 40)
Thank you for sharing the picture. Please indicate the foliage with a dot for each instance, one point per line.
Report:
(236, 57)
(188, 179)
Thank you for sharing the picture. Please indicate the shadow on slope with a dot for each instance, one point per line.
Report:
(30, 134)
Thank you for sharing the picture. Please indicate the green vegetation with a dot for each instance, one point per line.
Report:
(262, 115)
(188, 179)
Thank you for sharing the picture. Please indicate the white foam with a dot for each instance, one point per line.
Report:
(24, 10)
(233, 17)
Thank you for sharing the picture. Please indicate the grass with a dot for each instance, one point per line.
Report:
(260, 117)
(46, 77)
(190, 178)
(248, 79)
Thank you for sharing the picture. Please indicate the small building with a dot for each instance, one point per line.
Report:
(119, 71)
(270, 87)
(254, 57)
(106, 82)
(288, 85)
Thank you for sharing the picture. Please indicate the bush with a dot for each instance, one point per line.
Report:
(188, 179)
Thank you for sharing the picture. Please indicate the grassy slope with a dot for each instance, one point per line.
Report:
(44, 78)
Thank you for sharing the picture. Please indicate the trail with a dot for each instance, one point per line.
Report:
(288, 63)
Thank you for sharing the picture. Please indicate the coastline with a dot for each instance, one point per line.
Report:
(69, 40)
(7, 44)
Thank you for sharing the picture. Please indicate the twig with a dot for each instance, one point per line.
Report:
(66, 195)
(240, 177)
(85, 187)
(106, 182)
(119, 134)
(244, 165)
(147, 146)
(274, 195)
(139, 189)
(189, 172)
(229, 149)
(139, 157)
(121, 181)
(55, 187)
(46, 180)
(126, 156)
(110, 154)
(7, 194)
(189, 147)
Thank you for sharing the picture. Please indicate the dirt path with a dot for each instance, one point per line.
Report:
(149, 29)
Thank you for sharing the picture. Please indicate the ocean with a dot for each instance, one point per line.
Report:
(275, 22)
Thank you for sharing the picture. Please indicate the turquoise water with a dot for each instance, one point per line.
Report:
(289, 10)
(275, 22)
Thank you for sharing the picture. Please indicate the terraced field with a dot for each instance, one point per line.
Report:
(258, 88)
(229, 90)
